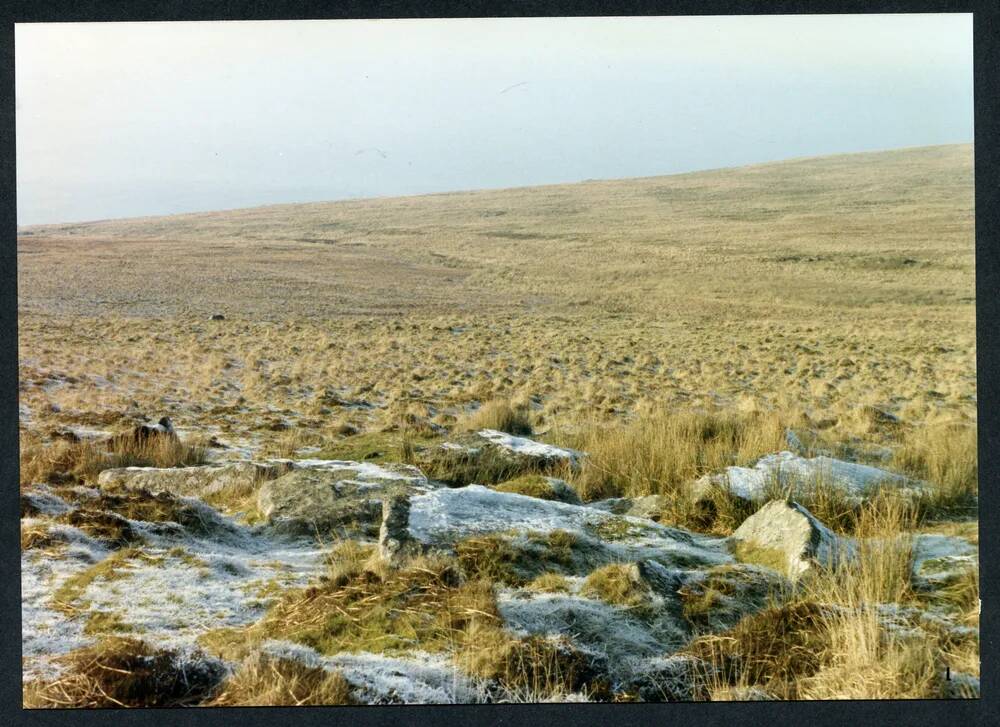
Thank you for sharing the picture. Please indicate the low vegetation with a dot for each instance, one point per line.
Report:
(126, 672)
(261, 680)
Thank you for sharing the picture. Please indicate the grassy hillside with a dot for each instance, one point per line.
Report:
(857, 233)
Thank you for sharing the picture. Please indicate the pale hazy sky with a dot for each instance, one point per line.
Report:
(128, 119)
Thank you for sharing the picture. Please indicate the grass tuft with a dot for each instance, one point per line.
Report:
(125, 672)
(262, 680)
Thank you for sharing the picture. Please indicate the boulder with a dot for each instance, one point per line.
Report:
(785, 536)
(778, 473)
(335, 498)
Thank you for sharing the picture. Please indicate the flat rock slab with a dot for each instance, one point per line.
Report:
(518, 455)
(335, 498)
(447, 515)
(529, 448)
(196, 481)
(786, 469)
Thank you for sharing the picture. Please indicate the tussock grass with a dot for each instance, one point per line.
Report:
(550, 583)
(946, 456)
(427, 603)
(263, 680)
(499, 559)
(658, 453)
(125, 672)
(680, 355)
(36, 535)
(529, 670)
(773, 649)
(63, 461)
(862, 661)
(618, 584)
(499, 414)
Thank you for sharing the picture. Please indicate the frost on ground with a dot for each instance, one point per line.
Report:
(170, 583)
(606, 633)
(451, 514)
(170, 589)
(421, 678)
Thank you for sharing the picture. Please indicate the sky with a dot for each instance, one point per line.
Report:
(134, 119)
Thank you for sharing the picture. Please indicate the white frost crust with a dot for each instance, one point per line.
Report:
(455, 513)
(529, 447)
(420, 678)
(167, 596)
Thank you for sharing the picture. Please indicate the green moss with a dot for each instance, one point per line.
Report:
(618, 584)
(530, 485)
(105, 622)
(550, 583)
(115, 566)
(772, 558)
(617, 527)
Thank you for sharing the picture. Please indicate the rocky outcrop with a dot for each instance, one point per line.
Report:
(940, 560)
(334, 498)
(785, 536)
(490, 457)
(447, 515)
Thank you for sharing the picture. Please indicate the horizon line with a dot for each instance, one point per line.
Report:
(474, 190)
